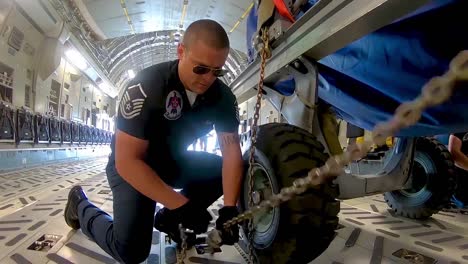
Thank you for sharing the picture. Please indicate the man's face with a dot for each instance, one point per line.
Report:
(199, 54)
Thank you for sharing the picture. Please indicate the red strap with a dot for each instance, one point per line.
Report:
(283, 10)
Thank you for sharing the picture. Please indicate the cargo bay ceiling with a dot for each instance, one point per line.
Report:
(129, 35)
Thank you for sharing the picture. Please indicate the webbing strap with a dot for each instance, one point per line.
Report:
(283, 10)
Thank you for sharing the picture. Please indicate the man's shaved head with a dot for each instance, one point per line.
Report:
(205, 44)
(208, 31)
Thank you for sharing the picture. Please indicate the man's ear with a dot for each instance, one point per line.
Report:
(180, 51)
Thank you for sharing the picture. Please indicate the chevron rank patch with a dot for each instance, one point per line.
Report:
(132, 101)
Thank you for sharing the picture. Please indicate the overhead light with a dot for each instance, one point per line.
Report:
(131, 74)
(76, 59)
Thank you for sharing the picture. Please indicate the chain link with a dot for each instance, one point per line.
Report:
(265, 54)
(183, 252)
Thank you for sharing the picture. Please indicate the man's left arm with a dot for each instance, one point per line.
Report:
(232, 166)
(227, 127)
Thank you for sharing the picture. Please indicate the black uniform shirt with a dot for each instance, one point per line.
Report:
(155, 107)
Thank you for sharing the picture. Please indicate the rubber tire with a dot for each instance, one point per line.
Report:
(308, 222)
(440, 186)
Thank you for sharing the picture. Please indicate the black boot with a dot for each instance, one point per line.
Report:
(75, 196)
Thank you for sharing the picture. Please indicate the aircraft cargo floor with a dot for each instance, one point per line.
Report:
(32, 202)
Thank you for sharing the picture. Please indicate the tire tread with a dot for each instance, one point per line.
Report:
(443, 187)
(308, 221)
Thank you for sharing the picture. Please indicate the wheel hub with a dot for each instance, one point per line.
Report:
(257, 197)
(262, 190)
(422, 167)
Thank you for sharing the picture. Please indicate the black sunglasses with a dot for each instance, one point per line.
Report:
(200, 70)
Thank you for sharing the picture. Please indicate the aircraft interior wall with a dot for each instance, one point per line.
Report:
(38, 77)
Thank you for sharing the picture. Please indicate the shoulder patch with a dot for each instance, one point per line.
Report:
(132, 101)
(174, 104)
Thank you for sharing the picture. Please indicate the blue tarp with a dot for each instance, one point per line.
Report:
(366, 80)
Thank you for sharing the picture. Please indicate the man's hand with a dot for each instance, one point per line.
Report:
(189, 215)
(230, 235)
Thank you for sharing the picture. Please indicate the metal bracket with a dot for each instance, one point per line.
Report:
(413, 257)
(297, 109)
(393, 175)
(45, 242)
(277, 29)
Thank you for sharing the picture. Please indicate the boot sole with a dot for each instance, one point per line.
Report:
(75, 224)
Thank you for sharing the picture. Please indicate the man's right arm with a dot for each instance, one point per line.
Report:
(460, 159)
(138, 104)
(129, 159)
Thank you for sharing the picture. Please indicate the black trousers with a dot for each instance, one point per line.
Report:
(127, 237)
